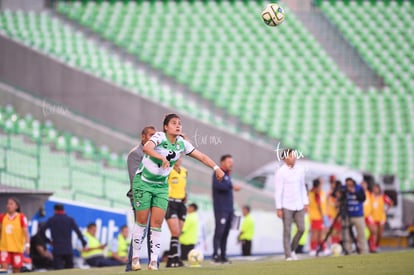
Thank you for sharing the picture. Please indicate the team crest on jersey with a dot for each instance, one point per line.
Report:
(137, 203)
(9, 229)
(177, 146)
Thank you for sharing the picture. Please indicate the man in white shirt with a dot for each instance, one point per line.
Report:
(291, 200)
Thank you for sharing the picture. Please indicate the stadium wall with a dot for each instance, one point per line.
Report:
(116, 107)
(29, 5)
(64, 119)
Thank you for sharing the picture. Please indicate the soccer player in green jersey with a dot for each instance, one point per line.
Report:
(150, 187)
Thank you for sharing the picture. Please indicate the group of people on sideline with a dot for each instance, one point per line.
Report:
(343, 209)
(17, 248)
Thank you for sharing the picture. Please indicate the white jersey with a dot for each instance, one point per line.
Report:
(150, 168)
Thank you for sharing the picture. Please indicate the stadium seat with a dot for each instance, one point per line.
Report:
(27, 140)
(240, 64)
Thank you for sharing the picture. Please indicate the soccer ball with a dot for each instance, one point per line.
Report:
(195, 257)
(336, 249)
(273, 15)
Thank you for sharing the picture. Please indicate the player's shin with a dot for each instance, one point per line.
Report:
(155, 243)
(138, 235)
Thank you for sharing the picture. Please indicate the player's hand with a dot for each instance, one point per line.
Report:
(279, 213)
(236, 187)
(305, 207)
(165, 163)
(27, 250)
(219, 174)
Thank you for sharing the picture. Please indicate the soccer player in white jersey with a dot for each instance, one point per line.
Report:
(150, 187)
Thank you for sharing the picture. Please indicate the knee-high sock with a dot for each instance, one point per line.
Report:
(138, 235)
(313, 245)
(155, 243)
(173, 247)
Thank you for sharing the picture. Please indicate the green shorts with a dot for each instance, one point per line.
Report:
(147, 195)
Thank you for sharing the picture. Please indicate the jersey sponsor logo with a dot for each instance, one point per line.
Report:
(171, 155)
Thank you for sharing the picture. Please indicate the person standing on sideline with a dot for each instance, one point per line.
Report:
(291, 200)
(332, 210)
(318, 218)
(61, 227)
(223, 209)
(14, 236)
(355, 197)
(380, 205)
(93, 253)
(176, 211)
(189, 235)
(133, 161)
(246, 232)
(150, 186)
(369, 221)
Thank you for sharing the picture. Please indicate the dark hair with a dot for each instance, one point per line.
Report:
(247, 207)
(124, 226)
(59, 207)
(193, 205)
(17, 202)
(224, 157)
(92, 224)
(338, 184)
(286, 152)
(316, 183)
(146, 129)
(167, 119)
(351, 179)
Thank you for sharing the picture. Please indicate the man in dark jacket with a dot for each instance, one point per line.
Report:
(41, 257)
(61, 227)
(223, 209)
(355, 197)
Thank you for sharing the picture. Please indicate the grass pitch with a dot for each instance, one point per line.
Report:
(398, 262)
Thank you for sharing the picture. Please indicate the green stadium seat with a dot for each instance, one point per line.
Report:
(27, 140)
(231, 62)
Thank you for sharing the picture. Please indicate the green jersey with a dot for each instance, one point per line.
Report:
(150, 168)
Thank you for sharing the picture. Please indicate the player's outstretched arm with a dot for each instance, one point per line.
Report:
(206, 160)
